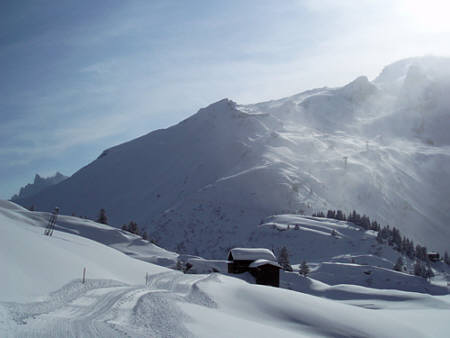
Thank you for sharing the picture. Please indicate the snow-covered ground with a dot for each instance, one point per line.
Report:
(35, 264)
(338, 252)
(41, 294)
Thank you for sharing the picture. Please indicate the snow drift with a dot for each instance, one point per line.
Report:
(42, 294)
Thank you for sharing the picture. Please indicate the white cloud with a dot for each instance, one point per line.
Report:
(100, 68)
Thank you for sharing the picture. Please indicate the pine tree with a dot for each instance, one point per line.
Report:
(375, 226)
(304, 269)
(331, 214)
(283, 259)
(428, 272)
(380, 237)
(102, 217)
(421, 253)
(423, 271)
(396, 239)
(410, 251)
(340, 215)
(419, 268)
(350, 217)
(399, 264)
(446, 258)
(133, 228)
(365, 222)
(356, 218)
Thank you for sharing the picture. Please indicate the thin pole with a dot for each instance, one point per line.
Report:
(51, 222)
(84, 276)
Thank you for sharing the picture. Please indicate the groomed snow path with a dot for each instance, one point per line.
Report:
(103, 308)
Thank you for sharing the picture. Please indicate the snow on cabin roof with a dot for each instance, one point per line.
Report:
(251, 254)
(260, 262)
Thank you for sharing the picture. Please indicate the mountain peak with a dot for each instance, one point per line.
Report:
(38, 184)
(394, 74)
(359, 88)
(222, 105)
(216, 110)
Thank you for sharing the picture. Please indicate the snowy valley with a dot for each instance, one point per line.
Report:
(43, 293)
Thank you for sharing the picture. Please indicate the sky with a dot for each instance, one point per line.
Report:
(77, 77)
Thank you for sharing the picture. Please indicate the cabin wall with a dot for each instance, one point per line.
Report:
(266, 275)
(238, 266)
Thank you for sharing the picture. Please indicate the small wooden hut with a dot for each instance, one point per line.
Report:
(434, 256)
(260, 262)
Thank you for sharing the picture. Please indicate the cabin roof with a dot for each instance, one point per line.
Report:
(260, 262)
(251, 254)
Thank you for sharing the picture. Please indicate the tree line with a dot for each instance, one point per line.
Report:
(392, 237)
(130, 227)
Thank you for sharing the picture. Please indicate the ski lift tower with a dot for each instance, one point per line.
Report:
(51, 223)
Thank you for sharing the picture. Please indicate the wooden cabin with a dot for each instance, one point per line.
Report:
(261, 263)
(434, 256)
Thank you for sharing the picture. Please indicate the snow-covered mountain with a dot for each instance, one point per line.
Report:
(381, 147)
(39, 184)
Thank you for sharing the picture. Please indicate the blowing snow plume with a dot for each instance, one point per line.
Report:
(380, 147)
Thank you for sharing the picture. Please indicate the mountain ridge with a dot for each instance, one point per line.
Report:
(353, 147)
(39, 184)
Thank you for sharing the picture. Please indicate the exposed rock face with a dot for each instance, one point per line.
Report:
(39, 184)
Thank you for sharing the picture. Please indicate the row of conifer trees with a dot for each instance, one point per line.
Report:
(392, 237)
(130, 227)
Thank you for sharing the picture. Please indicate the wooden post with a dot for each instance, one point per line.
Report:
(84, 276)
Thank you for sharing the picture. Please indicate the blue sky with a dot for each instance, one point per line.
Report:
(78, 77)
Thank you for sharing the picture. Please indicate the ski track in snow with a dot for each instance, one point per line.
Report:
(102, 308)
(114, 302)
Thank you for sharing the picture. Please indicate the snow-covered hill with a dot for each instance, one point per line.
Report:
(337, 252)
(201, 186)
(42, 295)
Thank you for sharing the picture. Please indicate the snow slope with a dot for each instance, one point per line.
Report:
(38, 264)
(337, 252)
(380, 147)
(42, 296)
(124, 241)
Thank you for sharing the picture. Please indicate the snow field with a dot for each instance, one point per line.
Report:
(38, 264)
(43, 296)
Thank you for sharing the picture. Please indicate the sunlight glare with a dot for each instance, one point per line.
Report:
(429, 16)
